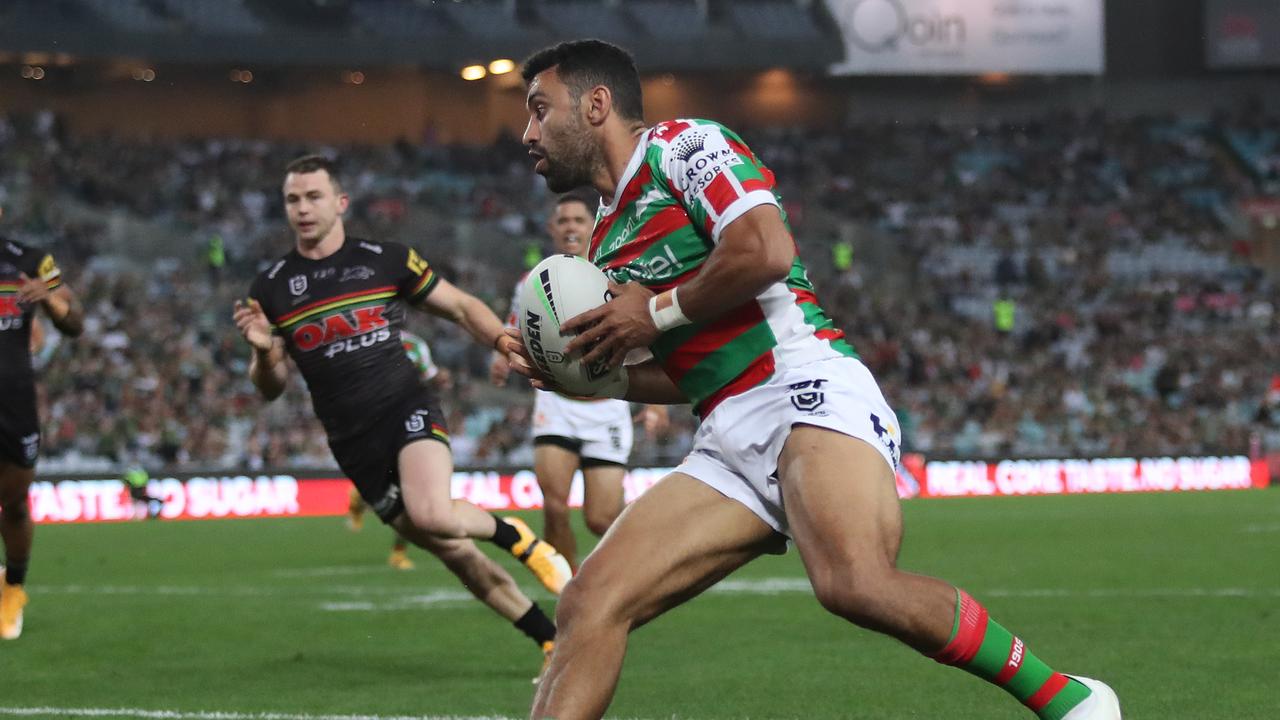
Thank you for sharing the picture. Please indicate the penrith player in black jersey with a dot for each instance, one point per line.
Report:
(29, 280)
(335, 305)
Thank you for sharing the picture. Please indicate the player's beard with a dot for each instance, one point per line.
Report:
(570, 157)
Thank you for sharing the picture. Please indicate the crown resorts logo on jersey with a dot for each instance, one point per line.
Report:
(700, 156)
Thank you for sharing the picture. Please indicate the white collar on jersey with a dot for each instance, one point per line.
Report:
(633, 166)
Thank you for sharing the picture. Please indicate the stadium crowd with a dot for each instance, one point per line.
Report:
(1062, 286)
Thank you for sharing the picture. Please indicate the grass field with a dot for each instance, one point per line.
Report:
(1173, 599)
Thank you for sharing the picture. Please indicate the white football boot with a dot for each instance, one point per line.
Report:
(1102, 703)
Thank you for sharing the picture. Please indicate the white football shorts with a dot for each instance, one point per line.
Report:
(736, 448)
(598, 429)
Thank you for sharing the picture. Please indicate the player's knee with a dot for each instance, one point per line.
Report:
(858, 597)
(571, 605)
(14, 509)
(587, 600)
(598, 522)
(555, 506)
(433, 520)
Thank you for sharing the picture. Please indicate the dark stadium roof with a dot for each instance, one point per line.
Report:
(668, 34)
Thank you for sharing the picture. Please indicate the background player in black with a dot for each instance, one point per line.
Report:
(335, 305)
(29, 279)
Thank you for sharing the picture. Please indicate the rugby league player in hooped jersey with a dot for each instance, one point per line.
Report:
(796, 440)
(335, 305)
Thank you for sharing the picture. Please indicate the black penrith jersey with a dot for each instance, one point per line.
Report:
(340, 318)
(16, 260)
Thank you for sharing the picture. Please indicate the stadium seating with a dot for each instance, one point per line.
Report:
(1138, 328)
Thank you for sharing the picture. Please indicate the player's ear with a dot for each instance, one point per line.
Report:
(343, 201)
(599, 104)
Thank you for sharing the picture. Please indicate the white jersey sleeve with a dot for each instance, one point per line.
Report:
(513, 317)
(715, 175)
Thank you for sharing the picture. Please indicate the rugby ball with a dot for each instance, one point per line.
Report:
(556, 289)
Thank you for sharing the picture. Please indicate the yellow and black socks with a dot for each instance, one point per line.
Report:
(15, 573)
(505, 534)
(537, 626)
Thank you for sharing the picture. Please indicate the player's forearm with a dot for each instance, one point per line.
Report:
(268, 373)
(649, 383)
(65, 313)
(737, 271)
(480, 322)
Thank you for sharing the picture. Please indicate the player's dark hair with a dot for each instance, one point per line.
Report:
(315, 163)
(584, 64)
(587, 197)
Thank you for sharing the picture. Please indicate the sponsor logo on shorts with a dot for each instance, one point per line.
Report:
(615, 437)
(387, 502)
(297, 284)
(30, 446)
(886, 437)
(807, 396)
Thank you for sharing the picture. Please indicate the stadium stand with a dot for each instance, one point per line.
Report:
(128, 15)
(1138, 325)
(674, 19)
(216, 17)
(396, 19)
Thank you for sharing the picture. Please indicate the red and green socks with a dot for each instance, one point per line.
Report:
(980, 646)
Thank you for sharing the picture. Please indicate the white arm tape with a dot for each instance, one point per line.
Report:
(665, 311)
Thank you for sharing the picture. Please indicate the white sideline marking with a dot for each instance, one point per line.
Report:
(330, 571)
(1261, 528)
(358, 598)
(233, 591)
(216, 715)
(412, 602)
(763, 586)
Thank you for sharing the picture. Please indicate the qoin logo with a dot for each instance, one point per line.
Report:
(883, 25)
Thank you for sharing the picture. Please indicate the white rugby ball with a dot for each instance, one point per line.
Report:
(556, 289)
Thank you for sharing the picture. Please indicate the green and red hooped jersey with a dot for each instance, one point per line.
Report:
(685, 183)
(419, 354)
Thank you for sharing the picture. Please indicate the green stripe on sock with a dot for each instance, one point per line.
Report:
(990, 661)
